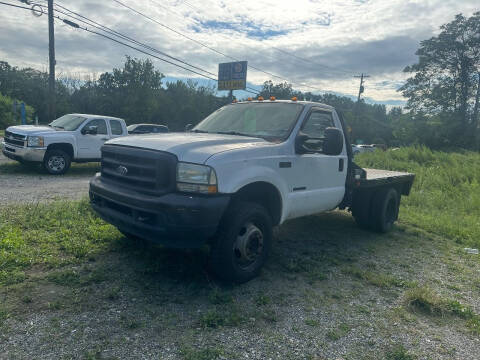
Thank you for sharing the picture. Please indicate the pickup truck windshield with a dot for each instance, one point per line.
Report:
(68, 122)
(271, 121)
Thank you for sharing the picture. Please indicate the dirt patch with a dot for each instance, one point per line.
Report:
(329, 291)
(21, 183)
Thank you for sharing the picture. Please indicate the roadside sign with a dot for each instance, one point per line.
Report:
(232, 76)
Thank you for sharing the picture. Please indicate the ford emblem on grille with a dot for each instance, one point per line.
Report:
(122, 170)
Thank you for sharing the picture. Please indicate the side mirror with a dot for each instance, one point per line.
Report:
(299, 143)
(91, 130)
(333, 143)
(188, 127)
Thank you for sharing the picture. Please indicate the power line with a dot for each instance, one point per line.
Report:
(104, 28)
(208, 47)
(281, 50)
(75, 25)
(125, 37)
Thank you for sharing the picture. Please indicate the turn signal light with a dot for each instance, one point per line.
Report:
(272, 98)
(260, 98)
(249, 99)
(294, 98)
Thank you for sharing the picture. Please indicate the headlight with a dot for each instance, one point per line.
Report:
(35, 141)
(196, 178)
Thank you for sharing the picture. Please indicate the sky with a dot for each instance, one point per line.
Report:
(316, 45)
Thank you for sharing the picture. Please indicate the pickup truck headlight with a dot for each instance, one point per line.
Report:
(196, 178)
(35, 141)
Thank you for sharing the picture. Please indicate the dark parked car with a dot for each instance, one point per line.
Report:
(146, 129)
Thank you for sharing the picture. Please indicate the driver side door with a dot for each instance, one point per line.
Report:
(89, 145)
(320, 181)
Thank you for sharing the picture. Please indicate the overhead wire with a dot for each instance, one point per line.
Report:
(209, 47)
(99, 26)
(75, 25)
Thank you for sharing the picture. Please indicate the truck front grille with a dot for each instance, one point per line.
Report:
(143, 170)
(14, 139)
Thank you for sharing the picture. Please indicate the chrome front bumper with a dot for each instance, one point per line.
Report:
(23, 153)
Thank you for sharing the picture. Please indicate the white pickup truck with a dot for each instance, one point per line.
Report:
(245, 168)
(72, 137)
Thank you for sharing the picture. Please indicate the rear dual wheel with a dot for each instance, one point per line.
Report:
(379, 211)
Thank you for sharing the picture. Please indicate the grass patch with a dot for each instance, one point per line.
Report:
(425, 300)
(208, 353)
(221, 317)
(445, 198)
(338, 333)
(399, 352)
(51, 236)
(376, 278)
(80, 169)
(74, 278)
(218, 297)
(312, 322)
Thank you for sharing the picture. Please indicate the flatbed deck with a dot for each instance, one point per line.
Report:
(377, 177)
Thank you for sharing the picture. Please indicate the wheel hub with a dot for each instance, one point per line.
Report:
(56, 163)
(249, 244)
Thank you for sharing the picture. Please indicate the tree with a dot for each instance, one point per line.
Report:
(446, 81)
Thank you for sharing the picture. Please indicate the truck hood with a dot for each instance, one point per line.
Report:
(30, 129)
(190, 147)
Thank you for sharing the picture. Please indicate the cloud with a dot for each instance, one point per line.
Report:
(314, 44)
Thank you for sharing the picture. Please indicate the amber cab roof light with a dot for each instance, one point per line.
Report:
(272, 98)
(260, 98)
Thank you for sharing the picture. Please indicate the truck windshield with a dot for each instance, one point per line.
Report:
(68, 122)
(268, 120)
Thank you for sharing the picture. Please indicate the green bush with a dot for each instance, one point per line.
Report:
(445, 198)
(6, 112)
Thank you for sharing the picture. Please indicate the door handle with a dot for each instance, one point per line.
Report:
(340, 165)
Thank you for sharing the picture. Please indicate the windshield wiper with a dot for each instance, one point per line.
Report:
(198, 131)
(234, 133)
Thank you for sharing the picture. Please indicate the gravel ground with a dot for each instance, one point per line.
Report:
(18, 187)
(329, 291)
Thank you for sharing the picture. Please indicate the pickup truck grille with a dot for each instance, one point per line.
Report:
(14, 139)
(143, 170)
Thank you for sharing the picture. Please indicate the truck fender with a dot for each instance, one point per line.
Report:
(256, 174)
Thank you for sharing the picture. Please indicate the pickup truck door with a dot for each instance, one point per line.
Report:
(319, 183)
(89, 145)
(116, 128)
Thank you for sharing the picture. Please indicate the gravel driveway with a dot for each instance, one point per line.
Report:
(29, 187)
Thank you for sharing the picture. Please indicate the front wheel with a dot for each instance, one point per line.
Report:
(243, 242)
(56, 162)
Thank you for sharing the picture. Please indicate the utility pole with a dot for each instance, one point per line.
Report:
(361, 89)
(52, 62)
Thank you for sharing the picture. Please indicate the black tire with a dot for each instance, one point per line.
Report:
(56, 162)
(242, 244)
(384, 211)
(361, 210)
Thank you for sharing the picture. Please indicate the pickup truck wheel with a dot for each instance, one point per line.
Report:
(361, 210)
(243, 242)
(56, 162)
(384, 209)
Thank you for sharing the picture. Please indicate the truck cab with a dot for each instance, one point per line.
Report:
(70, 138)
(245, 168)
